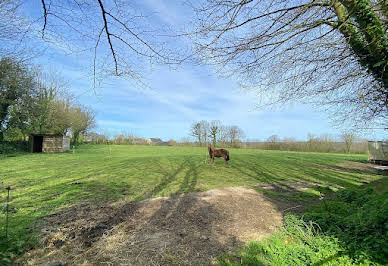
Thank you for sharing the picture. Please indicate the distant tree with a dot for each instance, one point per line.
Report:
(59, 118)
(273, 139)
(215, 127)
(223, 134)
(40, 112)
(81, 120)
(311, 139)
(95, 137)
(235, 134)
(273, 142)
(196, 132)
(119, 139)
(348, 138)
(204, 131)
(171, 142)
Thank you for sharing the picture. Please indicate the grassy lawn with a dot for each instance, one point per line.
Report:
(44, 183)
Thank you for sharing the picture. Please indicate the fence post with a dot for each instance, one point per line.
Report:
(6, 213)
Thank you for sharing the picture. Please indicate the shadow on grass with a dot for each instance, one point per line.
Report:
(278, 171)
(187, 167)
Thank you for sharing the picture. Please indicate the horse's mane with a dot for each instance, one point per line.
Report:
(210, 147)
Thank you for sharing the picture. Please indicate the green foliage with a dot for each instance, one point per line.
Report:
(298, 243)
(16, 88)
(359, 218)
(350, 229)
(9, 248)
(10, 148)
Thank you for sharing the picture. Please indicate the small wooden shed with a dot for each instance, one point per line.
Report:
(49, 143)
(378, 152)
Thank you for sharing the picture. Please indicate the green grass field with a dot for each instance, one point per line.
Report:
(44, 183)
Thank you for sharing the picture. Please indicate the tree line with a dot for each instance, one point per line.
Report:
(31, 103)
(215, 132)
(344, 143)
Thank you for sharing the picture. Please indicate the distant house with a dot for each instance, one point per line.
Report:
(154, 141)
(49, 143)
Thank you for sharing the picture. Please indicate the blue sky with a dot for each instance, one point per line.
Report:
(176, 97)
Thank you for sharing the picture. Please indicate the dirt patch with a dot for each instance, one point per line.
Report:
(187, 229)
(293, 188)
(357, 165)
(351, 167)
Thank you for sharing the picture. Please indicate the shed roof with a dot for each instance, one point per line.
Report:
(48, 134)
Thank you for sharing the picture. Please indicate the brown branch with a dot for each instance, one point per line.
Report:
(108, 35)
(45, 17)
(95, 58)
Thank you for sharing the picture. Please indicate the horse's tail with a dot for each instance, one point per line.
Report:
(227, 156)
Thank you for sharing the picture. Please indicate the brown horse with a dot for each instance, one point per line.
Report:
(217, 153)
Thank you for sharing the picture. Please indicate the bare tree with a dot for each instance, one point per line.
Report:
(196, 132)
(273, 139)
(235, 134)
(205, 131)
(273, 142)
(311, 140)
(14, 31)
(115, 36)
(348, 138)
(223, 134)
(215, 127)
(332, 53)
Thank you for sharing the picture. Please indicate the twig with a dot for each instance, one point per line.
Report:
(139, 253)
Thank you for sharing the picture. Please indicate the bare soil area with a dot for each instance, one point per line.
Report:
(189, 229)
(351, 167)
(293, 187)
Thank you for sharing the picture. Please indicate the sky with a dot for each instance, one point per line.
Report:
(175, 98)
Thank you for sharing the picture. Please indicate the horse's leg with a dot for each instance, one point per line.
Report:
(226, 162)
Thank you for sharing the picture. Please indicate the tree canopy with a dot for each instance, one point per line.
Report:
(333, 53)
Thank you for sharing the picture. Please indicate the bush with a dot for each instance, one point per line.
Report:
(13, 147)
(359, 218)
(171, 142)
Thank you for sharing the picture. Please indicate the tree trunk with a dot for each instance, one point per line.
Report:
(75, 137)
